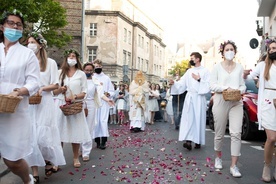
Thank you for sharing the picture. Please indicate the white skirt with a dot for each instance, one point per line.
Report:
(72, 128)
(153, 105)
(268, 110)
(46, 140)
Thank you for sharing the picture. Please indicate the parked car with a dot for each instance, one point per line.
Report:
(250, 120)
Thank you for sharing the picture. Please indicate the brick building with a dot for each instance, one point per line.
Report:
(73, 28)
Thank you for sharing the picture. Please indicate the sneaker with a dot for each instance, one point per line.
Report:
(235, 172)
(218, 163)
(32, 179)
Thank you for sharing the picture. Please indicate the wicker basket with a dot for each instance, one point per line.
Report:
(8, 104)
(71, 109)
(35, 99)
(231, 95)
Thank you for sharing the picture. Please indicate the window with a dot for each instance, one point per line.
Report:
(124, 57)
(142, 44)
(147, 47)
(129, 59)
(125, 34)
(139, 40)
(129, 37)
(93, 29)
(138, 63)
(92, 54)
(142, 65)
(147, 66)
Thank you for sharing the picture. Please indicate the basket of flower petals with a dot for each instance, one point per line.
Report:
(71, 107)
(35, 99)
(8, 104)
(232, 95)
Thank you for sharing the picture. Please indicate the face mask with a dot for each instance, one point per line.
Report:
(88, 75)
(71, 62)
(229, 55)
(33, 47)
(12, 34)
(272, 56)
(98, 70)
(192, 62)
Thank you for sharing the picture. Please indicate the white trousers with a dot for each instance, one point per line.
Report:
(224, 111)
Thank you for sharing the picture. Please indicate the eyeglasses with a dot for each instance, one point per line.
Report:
(12, 23)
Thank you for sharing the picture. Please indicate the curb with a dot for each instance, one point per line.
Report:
(5, 172)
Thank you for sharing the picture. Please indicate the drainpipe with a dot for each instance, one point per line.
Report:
(82, 31)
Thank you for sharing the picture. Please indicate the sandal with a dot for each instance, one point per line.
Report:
(36, 179)
(77, 163)
(48, 171)
(55, 169)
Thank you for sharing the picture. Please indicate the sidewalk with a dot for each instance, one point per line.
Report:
(7, 177)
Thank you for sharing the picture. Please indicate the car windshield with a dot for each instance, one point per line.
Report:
(251, 86)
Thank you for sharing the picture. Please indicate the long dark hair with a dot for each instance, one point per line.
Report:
(65, 67)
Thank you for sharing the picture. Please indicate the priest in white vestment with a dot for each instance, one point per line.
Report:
(138, 95)
(193, 121)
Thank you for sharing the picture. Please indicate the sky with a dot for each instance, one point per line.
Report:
(205, 19)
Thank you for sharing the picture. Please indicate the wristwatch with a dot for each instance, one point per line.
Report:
(198, 80)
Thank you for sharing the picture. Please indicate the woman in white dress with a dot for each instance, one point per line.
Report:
(93, 101)
(152, 102)
(46, 140)
(169, 108)
(73, 87)
(121, 103)
(266, 71)
(19, 76)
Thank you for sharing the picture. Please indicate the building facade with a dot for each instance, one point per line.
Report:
(124, 38)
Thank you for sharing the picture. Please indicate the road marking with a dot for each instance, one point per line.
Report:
(257, 147)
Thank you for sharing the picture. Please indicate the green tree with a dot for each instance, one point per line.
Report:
(180, 68)
(44, 16)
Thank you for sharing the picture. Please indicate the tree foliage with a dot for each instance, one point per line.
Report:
(44, 16)
(180, 68)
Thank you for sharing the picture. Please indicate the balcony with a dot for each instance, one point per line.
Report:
(265, 7)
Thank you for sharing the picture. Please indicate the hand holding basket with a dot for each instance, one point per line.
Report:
(232, 95)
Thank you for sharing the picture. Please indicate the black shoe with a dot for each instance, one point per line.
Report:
(187, 145)
(136, 130)
(197, 146)
(102, 146)
(176, 127)
(36, 179)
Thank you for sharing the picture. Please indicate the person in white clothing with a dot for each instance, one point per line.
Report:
(93, 101)
(138, 97)
(196, 82)
(73, 88)
(19, 76)
(227, 75)
(46, 135)
(153, 106)
(101, 130)
(266, 71)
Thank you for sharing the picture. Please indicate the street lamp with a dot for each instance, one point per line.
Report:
(259, 30)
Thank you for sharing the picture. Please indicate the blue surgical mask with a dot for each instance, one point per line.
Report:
(88, 75)
(12, 34)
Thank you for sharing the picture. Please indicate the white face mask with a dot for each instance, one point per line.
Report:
(229, 55)
(33, 47)
(71, 62)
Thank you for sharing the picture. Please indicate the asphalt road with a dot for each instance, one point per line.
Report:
(156, 157)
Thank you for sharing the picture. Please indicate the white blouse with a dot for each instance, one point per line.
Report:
(221, 79)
